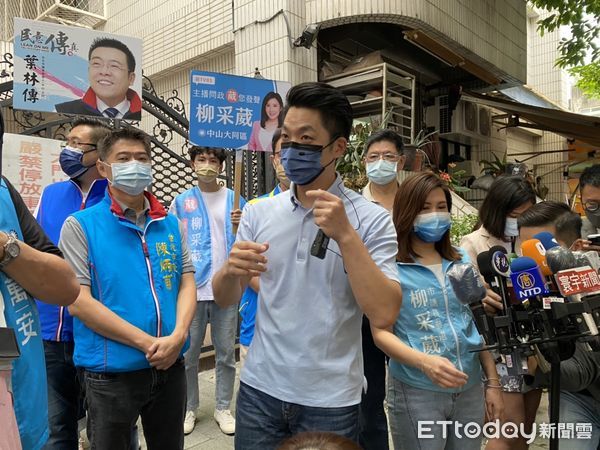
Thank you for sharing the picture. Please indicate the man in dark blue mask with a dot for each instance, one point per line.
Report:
(84, 188)
(304, 367)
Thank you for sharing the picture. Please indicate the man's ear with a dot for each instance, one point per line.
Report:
(339, 147)
(102, 169)
(401, 163)
(131, 78)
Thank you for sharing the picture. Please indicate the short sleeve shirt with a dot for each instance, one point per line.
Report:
(307, 344)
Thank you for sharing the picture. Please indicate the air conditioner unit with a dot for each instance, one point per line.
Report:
(468, 124)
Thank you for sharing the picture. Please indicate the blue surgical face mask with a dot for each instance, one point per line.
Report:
(382, 172)
(71, 161)
(302, 162)
(131, 177)
(431, 227)
(511, 228)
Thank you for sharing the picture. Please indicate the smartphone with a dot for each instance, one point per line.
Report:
(594, 239)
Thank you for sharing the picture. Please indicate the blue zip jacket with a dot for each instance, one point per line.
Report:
(136, 273)
(249, 300)
(59, 201)
(433, 321)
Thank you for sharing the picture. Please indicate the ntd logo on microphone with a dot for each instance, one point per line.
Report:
(528, 283)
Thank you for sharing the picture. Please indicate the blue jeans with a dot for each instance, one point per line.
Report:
(373, 422)
(65, 405)
(263, 422)
(223, 326)
(579, 409)
(407, 406)
(115, 401)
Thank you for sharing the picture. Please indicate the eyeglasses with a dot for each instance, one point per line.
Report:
(591, 206)
(374, 157)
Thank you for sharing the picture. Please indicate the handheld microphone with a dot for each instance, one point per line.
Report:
(559, 258)
(534, 249)
(470, 291)
(527, 279)
(319, 245)
(501, 267)
(547, 240)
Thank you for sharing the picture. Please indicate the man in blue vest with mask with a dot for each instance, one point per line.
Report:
(132, 318)
(84, 188)
(207, 213)
(30, 265)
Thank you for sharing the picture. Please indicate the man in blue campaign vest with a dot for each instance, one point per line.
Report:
(84, 188)
(29, 266)
(248, 301)
(206, 211)
(137, 300)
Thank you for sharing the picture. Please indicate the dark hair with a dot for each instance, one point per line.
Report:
(113, 43)
(568, 227)
(318, 440)
(590, 176)
(99, 128)
(196, 150)
(505, 194)
(542, 214)
(263, 110)
(332, 104)
(386, 135)
(408, 203)
(129, 134)
(275, 138)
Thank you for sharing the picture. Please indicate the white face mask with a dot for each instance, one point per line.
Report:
(511, 228)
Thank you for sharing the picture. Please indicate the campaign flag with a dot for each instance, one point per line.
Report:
(234, 112)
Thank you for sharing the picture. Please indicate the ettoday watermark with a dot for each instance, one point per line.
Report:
(431, 429)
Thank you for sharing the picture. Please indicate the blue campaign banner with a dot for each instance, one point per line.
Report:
(233, 112)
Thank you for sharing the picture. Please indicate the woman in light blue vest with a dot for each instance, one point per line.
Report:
(434, 373)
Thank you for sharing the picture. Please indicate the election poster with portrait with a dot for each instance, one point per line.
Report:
(74, 70)
(234, 112)
(30, 163)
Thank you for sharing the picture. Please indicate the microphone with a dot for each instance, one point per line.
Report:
(470, 291)
(319, 245)
(501, 267)
(527, 279)
(559, 258)
(534, 249)
(547, 240)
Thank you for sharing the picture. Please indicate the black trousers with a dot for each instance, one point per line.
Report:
(373, 429)
(115, 400)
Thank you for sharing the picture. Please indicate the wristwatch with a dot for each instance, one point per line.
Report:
(11, 250)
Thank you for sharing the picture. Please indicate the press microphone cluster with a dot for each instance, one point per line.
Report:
(551, 296)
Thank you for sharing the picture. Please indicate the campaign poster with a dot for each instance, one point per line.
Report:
(30, 163)
(234, 112)
(74, 70)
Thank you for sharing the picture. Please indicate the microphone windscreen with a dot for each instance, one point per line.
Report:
(534, 249)
(466, 283)
(560, 258)
(522, 263)
(485, 268)
(547, 240)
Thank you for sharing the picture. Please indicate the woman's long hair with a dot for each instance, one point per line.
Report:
(263, 110)
(408, 203)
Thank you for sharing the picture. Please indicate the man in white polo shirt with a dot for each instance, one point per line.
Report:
(304, 368)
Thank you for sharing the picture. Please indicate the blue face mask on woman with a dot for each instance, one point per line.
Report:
(431, 227)
(71, 161)
(302, 162)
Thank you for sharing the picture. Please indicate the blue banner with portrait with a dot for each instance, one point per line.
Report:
(234, 112)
